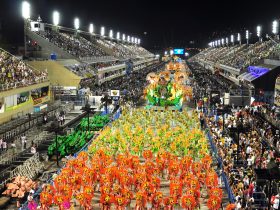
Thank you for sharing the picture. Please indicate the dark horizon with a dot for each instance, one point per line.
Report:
(157, 24)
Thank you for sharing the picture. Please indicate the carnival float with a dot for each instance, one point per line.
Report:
(167, 90)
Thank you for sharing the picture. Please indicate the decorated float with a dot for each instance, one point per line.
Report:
(166, 91)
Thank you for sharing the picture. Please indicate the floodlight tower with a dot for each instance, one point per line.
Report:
(26, 11)
(239, 38)
(102, 31)
(76, 25)
(123, 38)
(118, 36)
(111, 34)
(223, 41)
(227, 41)
(56, 20)
(91, 30)
(232, 39)
(275, 28)
(259, 33)
(247, 36)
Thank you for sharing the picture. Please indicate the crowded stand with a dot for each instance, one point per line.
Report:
(77, 46)
(240, 56)
(130, 85)
(255, 146)
(89, 70)
(110, 125)
(121, 50)
(15, 73)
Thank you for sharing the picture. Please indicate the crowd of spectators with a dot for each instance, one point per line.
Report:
(131, 85)
(255, 145)
(90, 70)
(15, 73)
(210, 82)
(77, 46)
(240, 56)
(122, 50)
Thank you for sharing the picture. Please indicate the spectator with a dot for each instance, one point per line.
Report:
(33, 149)
(4, 145)
(13, 147)
(276, 202)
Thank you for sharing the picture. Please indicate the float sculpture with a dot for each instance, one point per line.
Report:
(166, 91)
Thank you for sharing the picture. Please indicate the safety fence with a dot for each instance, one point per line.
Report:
(220, 165)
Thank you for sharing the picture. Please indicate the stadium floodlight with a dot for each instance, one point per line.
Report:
(216, 43)
(219, 42)
(259, 28)
(25, 10)
(132, 40)
(165, 52)
(91, 29)
(247, 34)
(238, 37)
(171, 52)
(227, 40)
(76, 23)
(210, 44)
(123, 37)
(232, 39)
(136, 40)
(275, 25)
(56, 18)
(139, 41)
(118, 35)
(223, 41)
(128, 38)
(102, 31)
(111, 34)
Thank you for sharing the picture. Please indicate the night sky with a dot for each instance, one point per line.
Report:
(173, 24)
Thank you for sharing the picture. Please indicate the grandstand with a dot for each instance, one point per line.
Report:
(18, 83)
(92, 57)
(255, 65)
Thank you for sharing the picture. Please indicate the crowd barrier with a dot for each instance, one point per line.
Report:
(220, 165)
(36, 196)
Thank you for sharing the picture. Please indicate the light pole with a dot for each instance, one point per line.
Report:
(26, 10)
(275, 27)
(239, 38)
(102, 31)
(56, 19)
(77, 25)
(232, 39)
(111, 34)
(247, 36)
(118, 36)
(123, 37)
(91, 30)
(259, 29)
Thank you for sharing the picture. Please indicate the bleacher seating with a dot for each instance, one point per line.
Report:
(75, 45)
(15, 73)
(240, 56)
